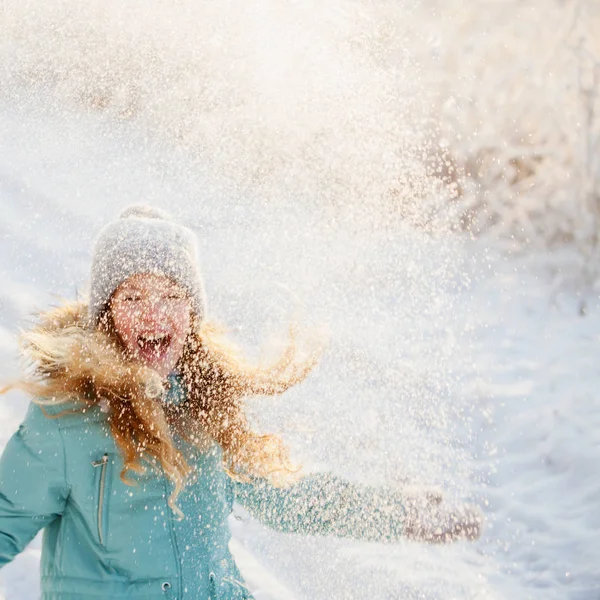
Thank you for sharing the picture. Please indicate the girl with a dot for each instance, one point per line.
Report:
(136, 443)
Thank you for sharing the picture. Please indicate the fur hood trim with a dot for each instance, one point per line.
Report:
(66, 360)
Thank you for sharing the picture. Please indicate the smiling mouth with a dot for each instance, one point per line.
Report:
(153, 346)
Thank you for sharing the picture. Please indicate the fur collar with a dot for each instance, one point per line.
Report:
(67, 359)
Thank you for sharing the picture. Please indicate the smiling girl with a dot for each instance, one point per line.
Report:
(136, 443)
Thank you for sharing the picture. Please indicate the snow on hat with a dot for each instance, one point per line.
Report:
(144, 240)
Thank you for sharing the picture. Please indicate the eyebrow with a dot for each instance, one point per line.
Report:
(133, 287)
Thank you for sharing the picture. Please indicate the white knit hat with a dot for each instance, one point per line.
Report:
(144, 240)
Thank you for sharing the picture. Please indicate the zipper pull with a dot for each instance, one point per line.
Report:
(102, 461)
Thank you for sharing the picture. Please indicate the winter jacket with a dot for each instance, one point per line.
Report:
(105, 540)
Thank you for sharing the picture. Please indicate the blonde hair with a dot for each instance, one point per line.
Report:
(71, 362)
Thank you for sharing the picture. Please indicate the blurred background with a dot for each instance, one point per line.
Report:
(418, 182)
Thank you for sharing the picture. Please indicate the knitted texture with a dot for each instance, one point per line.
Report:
(144, 240)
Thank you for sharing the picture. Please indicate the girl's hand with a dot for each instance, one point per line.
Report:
(428, 520)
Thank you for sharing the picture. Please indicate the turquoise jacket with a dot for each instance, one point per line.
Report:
(106, 540)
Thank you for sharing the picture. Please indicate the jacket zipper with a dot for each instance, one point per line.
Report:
(169, 517)
(213, 587)
(102, 463)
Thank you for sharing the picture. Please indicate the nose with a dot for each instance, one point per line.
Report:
(152, 309)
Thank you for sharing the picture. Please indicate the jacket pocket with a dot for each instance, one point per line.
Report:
(101, 505)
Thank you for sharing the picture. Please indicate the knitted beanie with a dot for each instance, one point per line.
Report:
(144, 240)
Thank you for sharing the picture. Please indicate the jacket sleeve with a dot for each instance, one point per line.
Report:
(33, 488)
(322, 504)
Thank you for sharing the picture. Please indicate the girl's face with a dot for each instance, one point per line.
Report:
(151, 315)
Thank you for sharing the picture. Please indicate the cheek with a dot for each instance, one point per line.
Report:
(178, 318)
(124, 323)
(182, 324)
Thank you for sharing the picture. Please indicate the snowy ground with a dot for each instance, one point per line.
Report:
(446, 365)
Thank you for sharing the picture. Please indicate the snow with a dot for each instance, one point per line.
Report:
(446, 365)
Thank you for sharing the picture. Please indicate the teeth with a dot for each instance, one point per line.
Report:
(154, 338)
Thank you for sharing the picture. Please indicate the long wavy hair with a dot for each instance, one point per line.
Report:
(70, 363)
